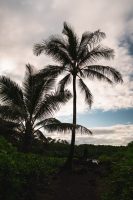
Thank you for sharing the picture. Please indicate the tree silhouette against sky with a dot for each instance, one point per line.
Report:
(31, 106)
(77, 58)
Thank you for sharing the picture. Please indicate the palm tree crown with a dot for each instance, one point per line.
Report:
(77, 57)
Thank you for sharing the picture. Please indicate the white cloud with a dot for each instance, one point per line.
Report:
(25, 22)
(113, 135)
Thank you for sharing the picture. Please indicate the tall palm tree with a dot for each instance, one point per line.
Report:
(77, 59)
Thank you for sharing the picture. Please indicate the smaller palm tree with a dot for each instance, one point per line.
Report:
(31, 106)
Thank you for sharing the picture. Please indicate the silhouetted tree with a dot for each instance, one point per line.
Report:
(30, 107)
(77, 58)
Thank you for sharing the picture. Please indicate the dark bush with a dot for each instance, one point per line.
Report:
(22, 175)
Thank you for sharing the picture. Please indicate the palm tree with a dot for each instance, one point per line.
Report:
(29, 107)
(77, 57)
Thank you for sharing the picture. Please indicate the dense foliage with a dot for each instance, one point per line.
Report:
(22, 175)
(119, 181)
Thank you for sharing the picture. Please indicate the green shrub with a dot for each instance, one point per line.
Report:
(119, 184)
(22, 175)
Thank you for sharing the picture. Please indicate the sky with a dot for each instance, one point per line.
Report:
(26, 22)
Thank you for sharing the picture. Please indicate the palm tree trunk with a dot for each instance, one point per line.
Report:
(72, 145)
(27, 137)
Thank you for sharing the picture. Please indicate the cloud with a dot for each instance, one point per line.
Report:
(113, 135)
(24, 23)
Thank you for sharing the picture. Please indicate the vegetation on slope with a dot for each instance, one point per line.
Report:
(22, 175)
(25, 175)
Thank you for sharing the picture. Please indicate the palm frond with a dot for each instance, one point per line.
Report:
(32, 88)
(48, 84)
(72, 40)
(94, 74)
(10, 92)
(41, 88)
(64, 82)
(47, 121)
(52, 103)
(66, 128)
(97, 53)
(90, 38)
(39, 48)
(59, 41)
(80, 73)
(36, 97)
(51, 71)
(87, 92)
(9, 129)
(8, 124)
(107, 71)
(53, 49)
(28, 84)
(40, 136)
(11, 112)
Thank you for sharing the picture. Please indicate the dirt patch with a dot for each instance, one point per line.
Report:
(79, 185)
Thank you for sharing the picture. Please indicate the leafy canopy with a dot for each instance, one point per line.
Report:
(77, 57)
